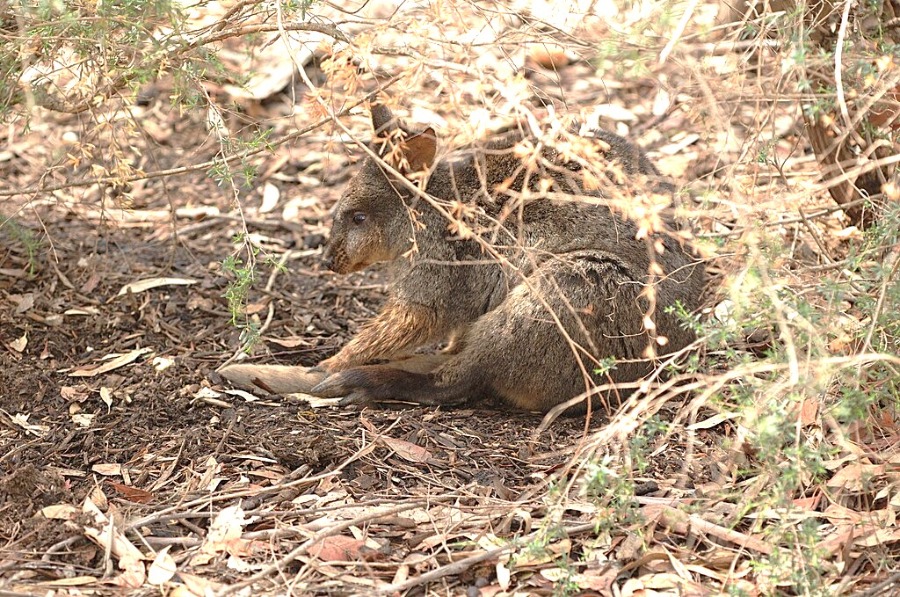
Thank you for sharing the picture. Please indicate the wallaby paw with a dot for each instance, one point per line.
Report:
(336, 385)
(348, 386)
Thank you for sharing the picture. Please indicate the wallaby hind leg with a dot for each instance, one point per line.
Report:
(288, 379)
(536, 349)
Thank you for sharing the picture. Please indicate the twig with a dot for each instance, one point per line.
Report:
(447, 570)
(679, 31)
(894, 260)
(196, 167)
(838, 56)
(329, 30)
(271, 309)
(466, 563)
(323, 534)
(208, 500)
(876, 589)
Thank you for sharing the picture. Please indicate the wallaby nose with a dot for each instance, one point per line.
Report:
(328, 258)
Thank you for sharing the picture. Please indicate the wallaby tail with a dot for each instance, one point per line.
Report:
(277, 379)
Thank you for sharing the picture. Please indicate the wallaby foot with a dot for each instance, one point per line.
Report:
(375, 384)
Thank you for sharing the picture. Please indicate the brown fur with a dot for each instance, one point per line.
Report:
(528, 328)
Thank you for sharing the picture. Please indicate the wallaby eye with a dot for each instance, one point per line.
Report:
(359, 217)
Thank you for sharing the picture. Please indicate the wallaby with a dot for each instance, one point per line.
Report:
(510, 256)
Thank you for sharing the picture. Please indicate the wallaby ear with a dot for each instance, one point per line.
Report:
(382, 120)
(419, 150)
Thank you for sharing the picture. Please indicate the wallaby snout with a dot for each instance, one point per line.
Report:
(328, 262)
(328, 256)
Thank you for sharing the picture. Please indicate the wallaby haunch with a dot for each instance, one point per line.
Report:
(533, 282)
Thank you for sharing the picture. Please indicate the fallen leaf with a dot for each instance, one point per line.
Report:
(111, 469)
(82, 311)
(224, 536)
(163, 567)
(289, 342)
(270, 198)
(854, 476)
(239, 564)
(149, 283)
(198, 585)
(338, 548)
(809, 410)
(91, 284)
(21, 420)
(712, 421)
(600, 580)
(132, 494)
(162, 363)
(241, 394)
(83, 419)
(19, 344)
(134, 572)
(75, 581)
(503, 575)
(106, 397)
(108, 536)
(116, 362)
(73, 394)
(406, 450)
(25, 302)
(60, 512)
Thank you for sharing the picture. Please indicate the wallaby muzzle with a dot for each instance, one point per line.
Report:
(328, 256)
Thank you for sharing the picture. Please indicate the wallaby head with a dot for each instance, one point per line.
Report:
(371, 223)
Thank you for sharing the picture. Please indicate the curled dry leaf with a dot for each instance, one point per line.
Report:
(270, 197)
(142, 285)
(110, 469)
(105, 534)
(163, 568)
(406, 450)
(338, 548)
(60, 512)
(19, 344)
(225, 536)
(116, 362)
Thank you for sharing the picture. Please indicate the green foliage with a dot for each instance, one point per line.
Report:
(604, 366)
(802, 566)
(613, 491)
(31, 244)
(641, 443)
(243, 276)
